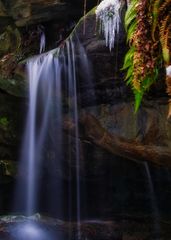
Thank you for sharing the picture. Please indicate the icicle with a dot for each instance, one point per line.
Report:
(168, 71)
(108, 12)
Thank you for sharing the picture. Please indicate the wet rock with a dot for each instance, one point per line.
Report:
(10, 41)
(127, 228)
(11, 122)
(31, 12)
(3, 12)
(149, 126)
(8, 168)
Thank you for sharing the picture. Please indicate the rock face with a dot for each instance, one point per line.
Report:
(29, 12)
(33, 12)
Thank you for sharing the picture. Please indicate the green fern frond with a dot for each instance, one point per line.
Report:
(165, 31)
(138, 99)
(131, 30)
(129, 73)
(130, 18)
(130, 13)
(128, 61)
(155, 13)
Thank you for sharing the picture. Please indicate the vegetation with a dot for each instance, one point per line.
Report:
(4, 122)
(148, 26)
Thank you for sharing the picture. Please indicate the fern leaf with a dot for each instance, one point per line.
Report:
(130, 18)
(166, 54)
(128, 58)
(130, 13)
(138, 99)
(155, 12)
(131, 30)
(129, 72)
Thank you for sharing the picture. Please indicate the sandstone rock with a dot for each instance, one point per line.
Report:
(3, 12)
(11, 120)
(30, 12)
(8, 168)
(10, 41)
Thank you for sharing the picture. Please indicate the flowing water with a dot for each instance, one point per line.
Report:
(42, 42)
(154, 208)
(52, 77)
(44, 115)
(72, 83)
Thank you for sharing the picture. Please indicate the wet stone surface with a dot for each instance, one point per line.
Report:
(122, 228)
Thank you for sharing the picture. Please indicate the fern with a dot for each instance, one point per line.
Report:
(155, 13)
(165, 31)
(130, 13)
(142, 60)
(128, 58)
(138, 99)
(164, 7)
(131, 29)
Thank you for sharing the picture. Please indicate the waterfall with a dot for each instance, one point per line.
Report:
(52, 77)
(44, 76)
(42, 42)
(73, 92)
(154, 207)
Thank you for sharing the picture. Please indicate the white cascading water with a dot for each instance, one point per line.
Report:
(72, 83)
(108, 14)
(47, 73)
(42, 42)
(155, 211)
(44, 87)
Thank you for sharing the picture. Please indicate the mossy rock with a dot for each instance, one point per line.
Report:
(4, 123)
(12, 117)
(8, 168)
(10, 40)
(12, 75)
(5, 19)
(8, 171)
(3, 12)
(15, 86)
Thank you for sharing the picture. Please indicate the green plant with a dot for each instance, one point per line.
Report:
(143, 59)
(4, 122)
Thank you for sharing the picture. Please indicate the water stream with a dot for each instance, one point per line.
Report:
(42, 42)
(154, 207)
(52, 77)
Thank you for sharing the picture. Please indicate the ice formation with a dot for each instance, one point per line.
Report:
(168, 70)
(108, 13)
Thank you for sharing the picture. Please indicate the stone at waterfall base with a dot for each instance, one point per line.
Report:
(123, 227)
